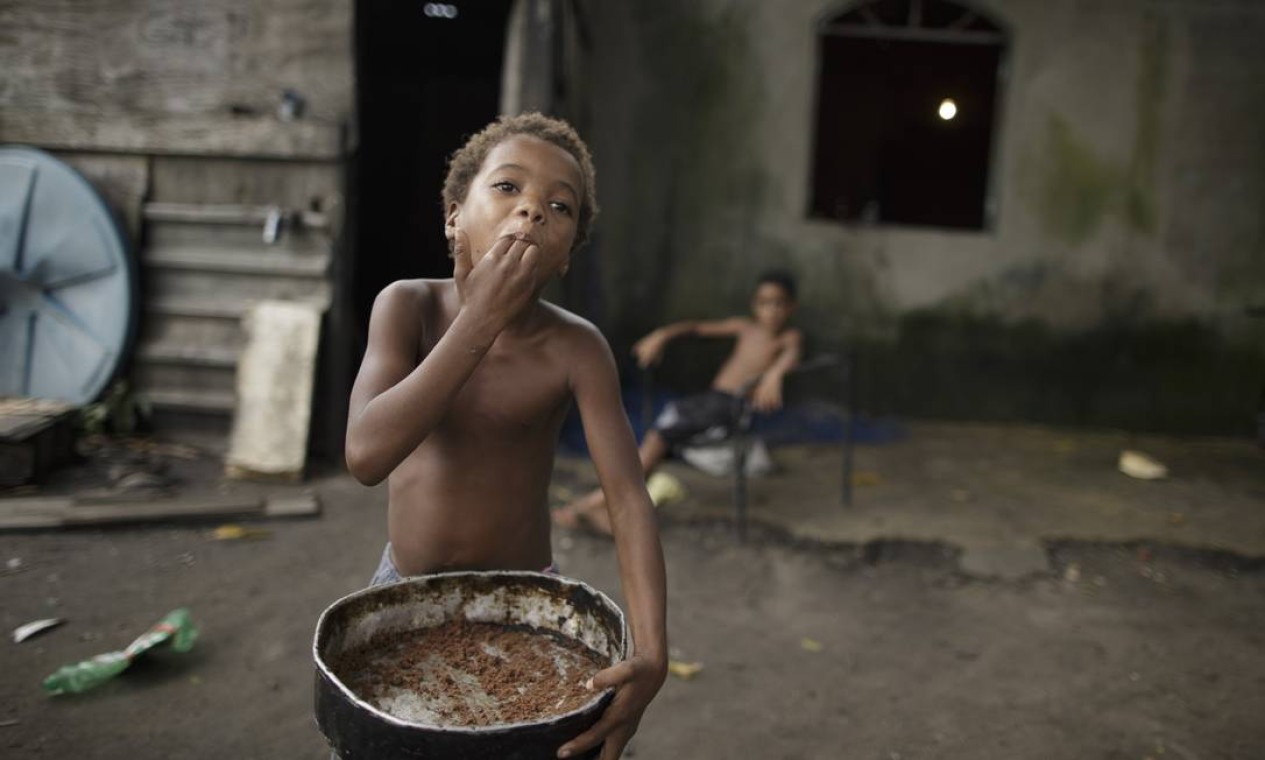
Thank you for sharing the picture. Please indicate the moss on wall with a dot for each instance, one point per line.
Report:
(1079, 188)
(1175, 376)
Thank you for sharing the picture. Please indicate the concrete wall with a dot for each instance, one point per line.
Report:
(1129, 179)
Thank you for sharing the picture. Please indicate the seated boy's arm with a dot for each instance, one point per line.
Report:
(649, 350)
(595, 383)
(720, 328)
(768, 392)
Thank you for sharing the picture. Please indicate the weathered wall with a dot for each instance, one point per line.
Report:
(168, 76)
(1129, 176)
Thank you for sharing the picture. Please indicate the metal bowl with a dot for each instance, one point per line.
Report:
(356, 729)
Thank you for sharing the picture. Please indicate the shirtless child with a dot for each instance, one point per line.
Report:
(465, 384)
(765, 350)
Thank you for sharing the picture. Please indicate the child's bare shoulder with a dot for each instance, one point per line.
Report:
(570, 330)
(574, 339)
(412, 301)
(414, 293)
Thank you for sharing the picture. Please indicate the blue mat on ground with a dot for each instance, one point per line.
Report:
(804, 422)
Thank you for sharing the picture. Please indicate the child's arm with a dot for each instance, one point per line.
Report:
(396, 402)
(768, 392)
(595, 383)
(649, 350)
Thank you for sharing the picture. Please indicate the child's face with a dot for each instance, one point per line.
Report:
(772, 306)
(528, 187)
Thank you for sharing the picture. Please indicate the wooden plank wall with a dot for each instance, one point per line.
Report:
(176, 102)
(202, 276)
(175, 76)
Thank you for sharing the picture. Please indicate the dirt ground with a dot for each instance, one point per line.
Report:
(808, 652)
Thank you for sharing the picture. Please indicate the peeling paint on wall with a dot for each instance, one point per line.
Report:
(1078, 189)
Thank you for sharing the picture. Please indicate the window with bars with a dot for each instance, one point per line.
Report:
(907, 97)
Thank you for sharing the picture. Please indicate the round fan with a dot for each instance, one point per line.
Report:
(67, 282)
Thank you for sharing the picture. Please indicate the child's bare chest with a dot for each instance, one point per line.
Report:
(510, 397)
(756, 348)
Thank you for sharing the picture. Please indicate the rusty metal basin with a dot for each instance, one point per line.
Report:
(357, 729)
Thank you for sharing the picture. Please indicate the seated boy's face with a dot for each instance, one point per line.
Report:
(526, 187)
(772, 305)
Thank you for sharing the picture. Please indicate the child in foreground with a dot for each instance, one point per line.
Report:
(765, 349)
(466, 382)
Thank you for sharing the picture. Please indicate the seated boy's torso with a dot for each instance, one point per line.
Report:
(755, 350)
(474, 494)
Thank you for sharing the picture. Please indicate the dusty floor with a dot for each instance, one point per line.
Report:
(1000, 493)
(1115, 653)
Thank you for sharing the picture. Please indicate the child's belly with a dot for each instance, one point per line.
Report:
(444, 516)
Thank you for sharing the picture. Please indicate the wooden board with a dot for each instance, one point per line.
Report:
(71, 512)
(201, 135)
(35, 436)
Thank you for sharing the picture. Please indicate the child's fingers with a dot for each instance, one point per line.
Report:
(517, 249)
(615, 743)
(513, 249)
(489, 258)
(531, 255)
(501, 248)
(593, 737)
(614, 676)
(620, 720)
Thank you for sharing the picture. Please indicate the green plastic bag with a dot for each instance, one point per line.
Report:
(177, 627)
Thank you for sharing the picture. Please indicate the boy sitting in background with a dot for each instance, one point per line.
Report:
(765, 349)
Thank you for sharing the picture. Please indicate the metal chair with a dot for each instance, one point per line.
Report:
(741, 423)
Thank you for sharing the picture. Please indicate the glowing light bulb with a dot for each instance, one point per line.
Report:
(948, 109)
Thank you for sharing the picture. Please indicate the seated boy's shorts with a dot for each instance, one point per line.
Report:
(686, 418)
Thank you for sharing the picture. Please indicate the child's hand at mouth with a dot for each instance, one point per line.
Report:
(503, 282)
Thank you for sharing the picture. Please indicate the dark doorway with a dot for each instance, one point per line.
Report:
(428, 75)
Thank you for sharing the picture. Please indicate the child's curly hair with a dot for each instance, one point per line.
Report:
(467, 160)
